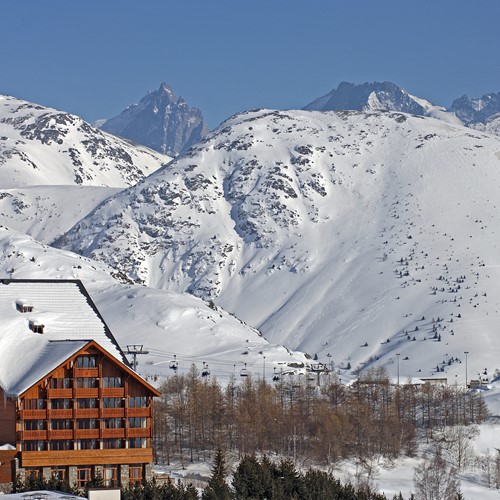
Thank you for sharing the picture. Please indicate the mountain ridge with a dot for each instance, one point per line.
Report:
(327, 231)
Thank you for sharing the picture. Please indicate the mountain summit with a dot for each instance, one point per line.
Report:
(378, 96)
(162, 121)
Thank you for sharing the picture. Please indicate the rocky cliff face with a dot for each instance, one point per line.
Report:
(472, 110)
(161, 121)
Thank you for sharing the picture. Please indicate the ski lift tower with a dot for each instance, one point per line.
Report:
(135, 350)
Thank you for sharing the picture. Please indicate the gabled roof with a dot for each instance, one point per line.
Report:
(68, 315)
(61, 352)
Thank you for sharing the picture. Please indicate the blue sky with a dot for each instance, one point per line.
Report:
(93, 58)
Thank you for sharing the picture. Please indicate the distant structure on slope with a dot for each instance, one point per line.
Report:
(72, 406)
(161, 121)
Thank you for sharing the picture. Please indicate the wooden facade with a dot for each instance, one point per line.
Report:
(92, 413)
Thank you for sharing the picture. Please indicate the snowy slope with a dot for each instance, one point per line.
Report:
(166, 323)
(40, 145)
(359, 234)
(46, 212)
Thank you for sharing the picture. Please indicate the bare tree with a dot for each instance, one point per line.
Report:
(435, 479)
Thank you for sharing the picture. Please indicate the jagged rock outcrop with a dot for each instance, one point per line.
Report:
(161, 121)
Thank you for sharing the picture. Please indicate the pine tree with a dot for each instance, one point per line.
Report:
(217, 488)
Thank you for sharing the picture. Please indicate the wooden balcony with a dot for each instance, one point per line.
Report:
(86, 412)
(59, 393)
(32, 435)
(139, 412)
(113, 392)
(63, 413)
(61, 434)
(112, 433)
(86, 392)
(129, 456)
(86, 433)
(86, 372)
(139, 432)
(33, 414)
(112, 412)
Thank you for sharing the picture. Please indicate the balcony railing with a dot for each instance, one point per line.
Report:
(60, 413)
(86, 433)
(32, 435)
(113, 392)
(86, 392)
(61, 434)
(138, 412)
(112, 412)
(112, 433)
(139, 432)
(86, 372)
(59, 393)
(86, 412)
(33, 414)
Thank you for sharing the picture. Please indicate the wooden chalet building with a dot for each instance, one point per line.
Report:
(70, 405)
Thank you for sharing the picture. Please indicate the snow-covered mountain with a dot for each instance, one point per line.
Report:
(165, 323)
(472, 110)
(43, 146)
(377, 96)
(359, 234)
(161, 121)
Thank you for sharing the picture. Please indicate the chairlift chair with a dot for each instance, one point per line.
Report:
(244, 372)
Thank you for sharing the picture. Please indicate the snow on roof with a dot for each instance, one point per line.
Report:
(70, 320)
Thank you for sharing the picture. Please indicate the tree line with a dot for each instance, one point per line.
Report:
(320, 425)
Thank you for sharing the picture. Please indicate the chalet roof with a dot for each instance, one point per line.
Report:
(69, 318)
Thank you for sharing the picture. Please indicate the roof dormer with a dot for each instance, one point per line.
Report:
(23, 307)
(35, 326)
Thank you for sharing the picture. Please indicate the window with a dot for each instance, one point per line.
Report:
(60, 383)
(86, 423)
(34, 404)
(135, 474)
(34, 425)
(137, 402)
(112, 403)
(113, 423)
(111, 382)
(60, 404)
(110, 475)
(83, 476)
(60, 444)
(137, 443)
(60, 424)
(137, 422)
(87, 444)
(86, 382)
(86, 403)
(86, 362)
(58, 473)
(31, 472)
(33, 446)
(109, 444)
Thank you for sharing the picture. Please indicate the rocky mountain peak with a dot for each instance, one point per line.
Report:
(162, 121)
(368, 96)
(476, 110)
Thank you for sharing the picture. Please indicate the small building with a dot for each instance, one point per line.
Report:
(434, 380)
(71, 406)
